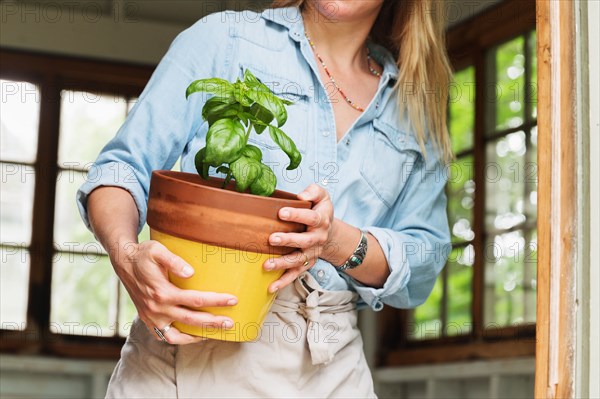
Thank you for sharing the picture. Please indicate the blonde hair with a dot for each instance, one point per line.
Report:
(413, 31)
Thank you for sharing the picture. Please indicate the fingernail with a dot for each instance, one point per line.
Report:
(227, 324)
(284, 214)
(187, 271)
(303, 195)
(232, 301)
(276, 240)
(274, 289)
(270, 265)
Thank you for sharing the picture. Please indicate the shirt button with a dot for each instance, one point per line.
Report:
(321, 274)
(326, 133)
(325, 182)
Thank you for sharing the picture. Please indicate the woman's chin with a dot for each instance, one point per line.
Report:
(346, 10)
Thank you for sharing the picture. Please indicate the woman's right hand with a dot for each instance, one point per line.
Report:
(143, 268)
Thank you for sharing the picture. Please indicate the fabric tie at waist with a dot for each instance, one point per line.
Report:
(318, 307)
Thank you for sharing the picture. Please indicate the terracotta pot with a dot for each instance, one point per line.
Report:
(223, 235)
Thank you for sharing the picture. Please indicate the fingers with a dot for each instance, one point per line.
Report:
(290, 261)
(286, 278)
(201, 299)
(299, 240)
(171, 262)
(314, 193)
(199, 319)
(175, 337)
(309, 217)
(189, 317)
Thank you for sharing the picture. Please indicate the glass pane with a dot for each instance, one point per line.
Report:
(20, 116)
(505, 175)
(84, 295)
(510, 83)
(127, 312)
(70, 234)
(510, 282)
(16, 203)
(459, 295)
(426, 318)
(87, 122)
(14, 288)
(534, 86)
(462, 109)
(461, 199)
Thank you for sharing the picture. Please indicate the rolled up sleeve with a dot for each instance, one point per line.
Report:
(415, 240)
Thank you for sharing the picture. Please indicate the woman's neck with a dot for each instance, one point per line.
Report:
(340, 42)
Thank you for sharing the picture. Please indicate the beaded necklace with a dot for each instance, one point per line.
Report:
(332, 80)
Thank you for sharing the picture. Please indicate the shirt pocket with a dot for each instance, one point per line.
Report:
(298, 122)
(389, 160)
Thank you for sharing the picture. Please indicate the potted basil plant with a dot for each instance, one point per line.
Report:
(221, 226)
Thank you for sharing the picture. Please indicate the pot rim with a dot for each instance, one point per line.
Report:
(221, 217)
(277, 196)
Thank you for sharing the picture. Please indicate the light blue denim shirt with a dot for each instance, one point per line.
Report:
(376, 174)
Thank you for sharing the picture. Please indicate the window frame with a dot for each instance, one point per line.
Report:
(468, 44)
(53, 74)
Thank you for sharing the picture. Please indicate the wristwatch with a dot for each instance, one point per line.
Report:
(358, 256)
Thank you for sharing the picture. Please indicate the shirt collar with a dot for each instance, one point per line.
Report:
(291, 18)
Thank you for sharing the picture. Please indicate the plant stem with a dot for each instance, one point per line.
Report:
(248, 132)
(227, 179)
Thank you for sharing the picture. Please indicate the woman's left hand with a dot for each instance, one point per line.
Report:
(319, 222)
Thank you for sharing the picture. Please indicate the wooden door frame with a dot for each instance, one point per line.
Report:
(558, 199)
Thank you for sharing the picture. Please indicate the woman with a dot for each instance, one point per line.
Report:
(373, 137)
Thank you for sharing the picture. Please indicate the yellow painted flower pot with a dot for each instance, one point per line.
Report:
(225, 270)
(223, 235)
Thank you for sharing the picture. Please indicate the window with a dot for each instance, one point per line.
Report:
(484, 301)
(58, 289)
(20, 114)
(87, 298)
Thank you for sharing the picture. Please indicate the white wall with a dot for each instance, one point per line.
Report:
(38, 377)
(94, 33)
(588, 327)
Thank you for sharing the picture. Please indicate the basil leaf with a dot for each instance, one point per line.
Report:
(224, 141)
(217, 108)
(253, 152)
(240, 94)
(201, 166)
(220, 87)
(253, 83)
(265, 184)
(271, 102)
(245, 171)
(250, 79)
(287, 145)
(262, 114)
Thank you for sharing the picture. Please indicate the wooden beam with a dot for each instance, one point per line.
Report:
(461, 352)
(500, 23)
(557, 200)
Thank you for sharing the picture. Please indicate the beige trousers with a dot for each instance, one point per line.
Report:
(309, 347)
